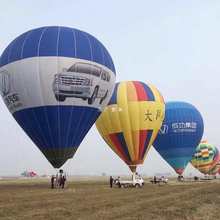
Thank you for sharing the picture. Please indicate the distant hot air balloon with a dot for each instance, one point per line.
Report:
(56, 81)
(179, 135)
(206, 157)
(131, 121)
(215, 169)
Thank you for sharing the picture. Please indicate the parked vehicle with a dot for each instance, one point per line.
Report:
(159, 180)
(135, 182)
(82, 80)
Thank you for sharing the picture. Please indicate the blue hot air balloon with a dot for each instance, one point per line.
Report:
(56, 81)
(179, 135)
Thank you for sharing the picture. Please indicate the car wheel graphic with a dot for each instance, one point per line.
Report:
(104, 97)
(93, 97)
(60, 98)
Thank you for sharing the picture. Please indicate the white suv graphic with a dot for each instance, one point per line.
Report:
(82, 80)
(4, 83)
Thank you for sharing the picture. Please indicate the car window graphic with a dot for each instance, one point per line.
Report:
(85, 68)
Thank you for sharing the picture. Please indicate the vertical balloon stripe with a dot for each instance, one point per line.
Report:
(148, 91)
(124, 117)
(40, 76)
(146, 144)
(131, 92)
(123, 144)
(116, 123)
(97, 50)
(48, 41)
(135, 137)
(143, 138)
(134, 112)
(67, 46)
(107, 127)
(120, 146)
(142, 95)
(30, 48)
(16, 52)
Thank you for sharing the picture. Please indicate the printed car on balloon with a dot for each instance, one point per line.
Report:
(82, 80)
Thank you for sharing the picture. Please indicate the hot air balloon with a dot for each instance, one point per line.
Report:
(131, 121)
(56, 81)
(206, 157)
(179, 135)
(215, 169)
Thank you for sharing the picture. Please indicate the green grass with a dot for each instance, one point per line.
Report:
(33, 199)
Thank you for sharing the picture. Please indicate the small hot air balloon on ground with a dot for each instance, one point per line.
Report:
(206, 157)
(215, 169)
(56, 81)
(130, 122)
(179, 135)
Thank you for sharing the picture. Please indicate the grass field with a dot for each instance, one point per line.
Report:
(93, 199)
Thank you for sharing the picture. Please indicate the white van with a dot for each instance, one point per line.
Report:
(136, 182)
(82, 80)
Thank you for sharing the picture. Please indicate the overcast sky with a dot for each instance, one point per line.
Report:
(171, 44)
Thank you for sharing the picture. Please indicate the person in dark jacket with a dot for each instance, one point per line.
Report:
(155, 179)
(52, 181)
(111, 181)
(63, 181)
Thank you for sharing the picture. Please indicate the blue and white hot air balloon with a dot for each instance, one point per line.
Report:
(56, 81)
(179, 135)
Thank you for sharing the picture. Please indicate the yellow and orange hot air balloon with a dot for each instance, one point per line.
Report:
(130, 122)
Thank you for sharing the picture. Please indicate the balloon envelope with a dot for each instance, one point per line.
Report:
(131, 120)
(205, 158)
(55, 81)
(179, 135)
(215, 169)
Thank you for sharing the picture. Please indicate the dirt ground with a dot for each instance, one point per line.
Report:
(93, 199)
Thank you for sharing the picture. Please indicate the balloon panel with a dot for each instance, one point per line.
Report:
(215, 169)
(130, 122)
(179, 135)
(56, 81)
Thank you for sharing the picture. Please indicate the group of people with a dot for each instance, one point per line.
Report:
(180, 178)
(59, 180)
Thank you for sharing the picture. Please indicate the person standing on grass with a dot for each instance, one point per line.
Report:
(111, 181)
(63, 181)
(155, 179)
(52, 182)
